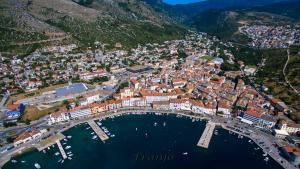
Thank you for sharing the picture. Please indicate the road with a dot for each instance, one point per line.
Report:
(284, 73)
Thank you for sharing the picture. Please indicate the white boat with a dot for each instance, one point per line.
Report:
(69, 152)
(69, 136)
(14, 161)
(37, 165)
(64, 143)
(68, 147)
(94, 137)
(23, 161)
(59, 160)
(164, 124)
(44, 151)
(92, 133)
(266, 159)
(99, 123)
(70, 155)
(70, 158)
(57, 153)
(48, 148)
(65, 139)
(136, 129)
(185, 153)
(112, 135)
(62, 161)
(155, 124)
(265, 154)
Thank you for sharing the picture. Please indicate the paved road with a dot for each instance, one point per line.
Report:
(284, 73)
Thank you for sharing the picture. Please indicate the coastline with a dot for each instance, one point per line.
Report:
(143, 111)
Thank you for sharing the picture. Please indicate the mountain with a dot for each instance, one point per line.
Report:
(185, 11)
(29, 24)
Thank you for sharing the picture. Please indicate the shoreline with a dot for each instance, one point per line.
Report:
(124, 112)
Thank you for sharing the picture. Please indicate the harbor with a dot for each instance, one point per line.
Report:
(206, 136)
(101, 134)
(124, 127)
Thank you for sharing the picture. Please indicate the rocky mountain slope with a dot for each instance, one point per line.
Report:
(81, 21)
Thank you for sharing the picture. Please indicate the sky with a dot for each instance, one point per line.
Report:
(173, 2)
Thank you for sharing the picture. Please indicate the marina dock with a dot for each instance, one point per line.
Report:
(49, 141)
(101, 134)
(206, 135)
(61, 149)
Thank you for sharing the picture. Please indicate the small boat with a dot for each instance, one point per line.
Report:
(57, 153)
(23, 161)
(112, 135)
(164, 124)
(59, 160)
(69, 136)
(37, 165)
(94, 137)
(265, 154)
(70, 158)
(136, 129)
(155, 124)
(14, 161)
(68, 147)
(92, 133)
(64, 143)
(48, 148)
(99, 123)
(185, 153)
(69, 152)
(62, 161)
(70, 155)
(44, 151)
(266, 159)
(65, 139)
(53, 145)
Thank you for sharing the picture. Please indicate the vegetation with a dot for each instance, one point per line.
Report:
(271, 75)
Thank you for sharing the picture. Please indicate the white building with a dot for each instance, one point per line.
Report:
(57, 117)
(80, 112)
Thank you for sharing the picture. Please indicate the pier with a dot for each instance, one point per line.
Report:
(101, 134)
(61, 149)
(206, 136)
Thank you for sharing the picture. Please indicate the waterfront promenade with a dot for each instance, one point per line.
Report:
(206, 135)
(101, 134)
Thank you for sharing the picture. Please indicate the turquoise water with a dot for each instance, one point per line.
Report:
(149, 147)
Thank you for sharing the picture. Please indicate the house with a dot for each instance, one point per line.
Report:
(291, 128)
(291, 153)
(97, 108)
(27, 136)
(92, 75)
(224, 108)
(126, 92)
(267, 121)
(161, 105)
(198, 107)
(59, 116)
(180, 104)
(90, 98)
(80, 112)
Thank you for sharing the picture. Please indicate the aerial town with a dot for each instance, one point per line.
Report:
(263, 36)
(176, 76)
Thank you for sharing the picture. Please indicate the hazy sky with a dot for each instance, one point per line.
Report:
(180, 1)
